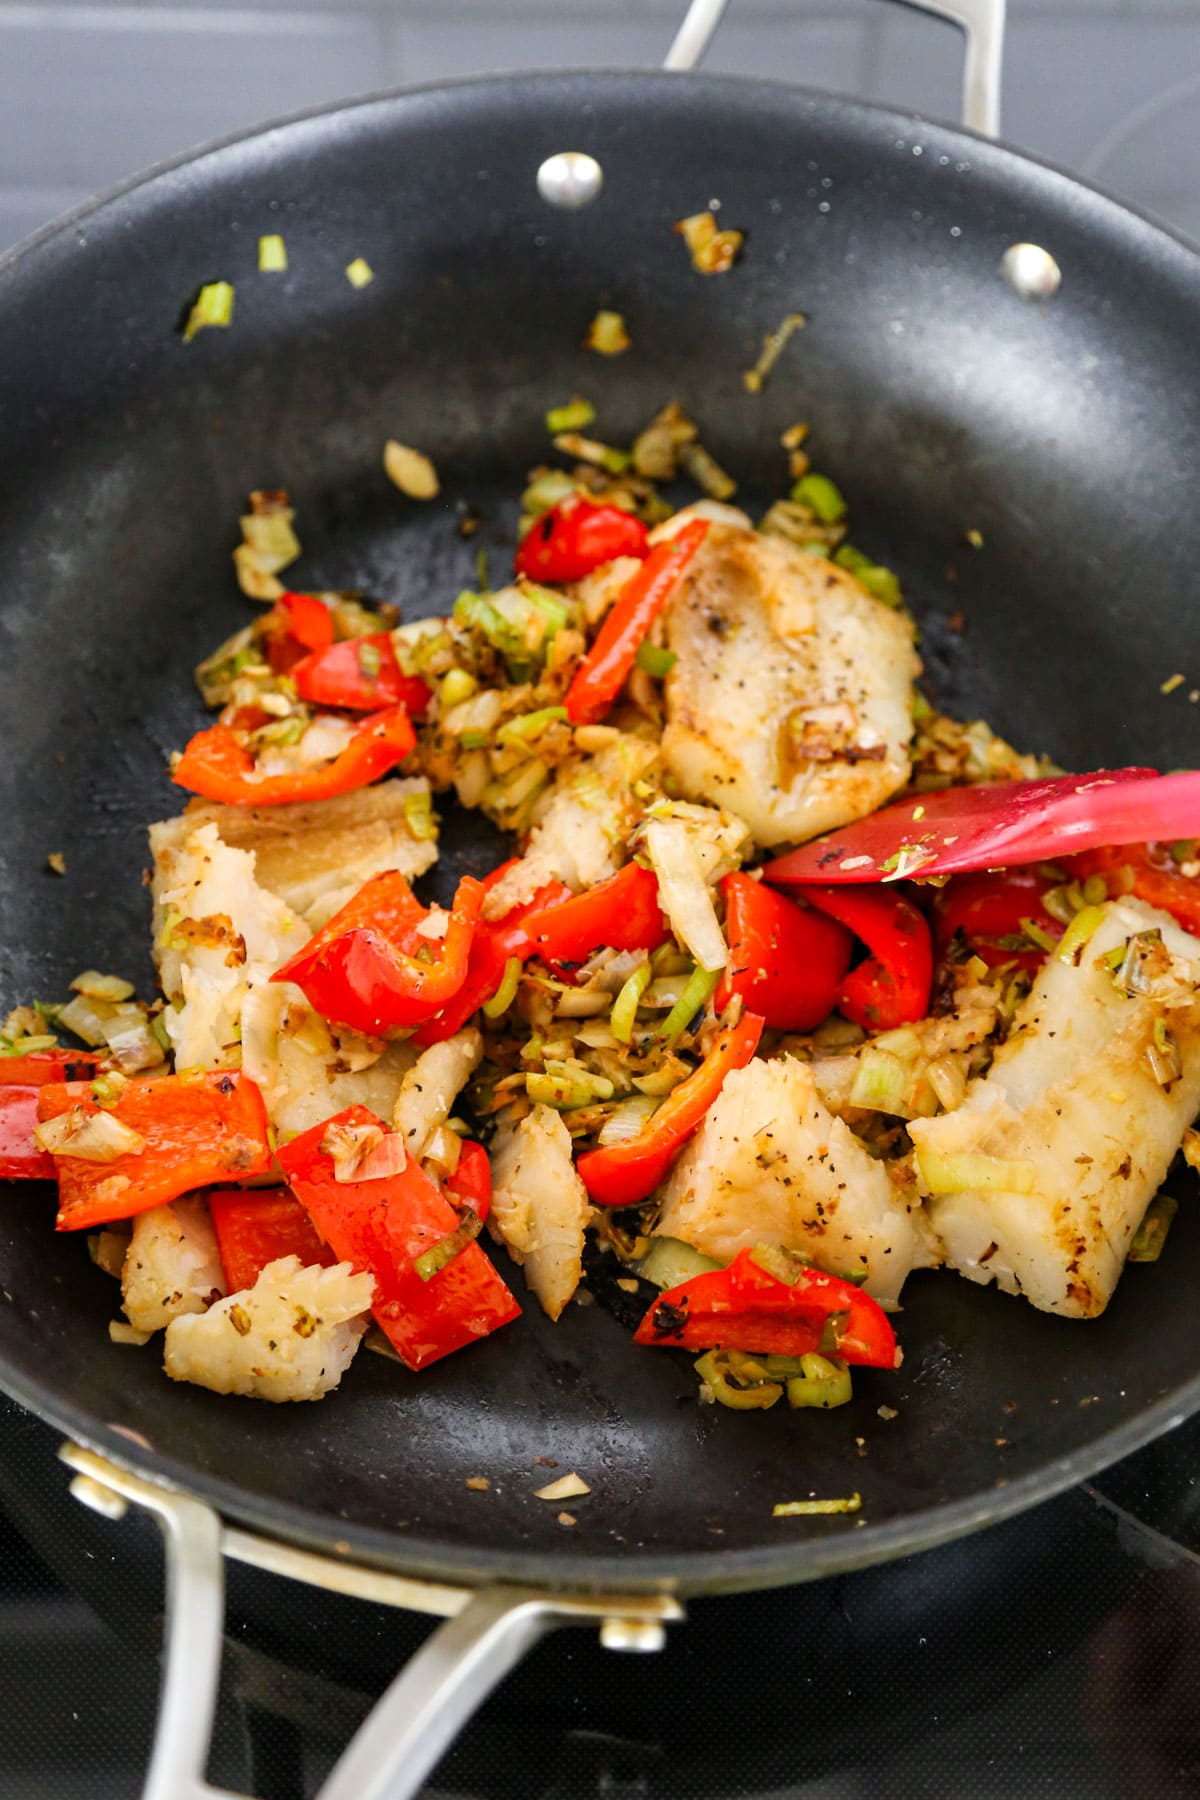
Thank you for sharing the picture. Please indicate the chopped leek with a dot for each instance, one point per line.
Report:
(577, 414)
(506, 993)
(432, 1261)
(455, 687)
(823, 495)
(272, 255)
(626, 1120)
(714, 1370)
(822, 1382)
(707, 472)
(1074, 939)
(529, 725)
(1037, 934)
(624, 1008)
(418, 816)
(970, 1171)
(881, 1082)
(1151, 1234)
(670, 1261)
(27, 1046)
(655, 660)
(213, 305)
(684, 894)
(699, 986)
(567, 1085)
(95, 986)
(773, 345)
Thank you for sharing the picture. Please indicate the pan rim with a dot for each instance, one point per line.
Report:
(712, 1570)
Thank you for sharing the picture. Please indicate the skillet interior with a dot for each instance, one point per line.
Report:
(939, 401)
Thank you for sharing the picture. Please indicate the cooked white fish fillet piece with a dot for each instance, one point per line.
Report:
(307, 1069)
(790, 701)
(539, 1205)
(581, 824)
(430, 1088)
(172, 1265)
(771, 1165)
(218, 934)
(315, 855)
(289, 1337)
(1040, 1179)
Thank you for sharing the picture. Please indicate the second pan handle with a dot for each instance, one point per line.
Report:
(981, 21)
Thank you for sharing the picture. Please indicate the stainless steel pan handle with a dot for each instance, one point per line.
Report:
(982, 21)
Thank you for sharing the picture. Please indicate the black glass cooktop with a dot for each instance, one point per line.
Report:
(1056, 1654)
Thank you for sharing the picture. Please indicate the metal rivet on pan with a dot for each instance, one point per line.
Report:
(571, 178)
(100, 1498)
(641, 1635)
(1031, 271)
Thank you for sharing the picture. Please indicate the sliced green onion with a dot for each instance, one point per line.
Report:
(432, 1261)
(574, 416)
(455, 687)
(528, 725)
(1082, 927)
(700, 984)
(669, 1262)
(624, 1008)
(213, 305)
(272, 255)
(506, 993)
(823, 1382)
(822, 495)
(881, 1082)
(1151, 1234)
(654, 659)
(804, 1509)
(972, 1171)
(713, 1369)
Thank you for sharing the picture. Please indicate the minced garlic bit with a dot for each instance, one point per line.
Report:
(478, 1484)
(56, 862)
(887, 1412)
(713, 252)
(359, 272)
(974, 537)
(607, 334)
(411, 472)
(1171, 683)
(795, 1509)
(629, 1286)
(567, 1487)
(566, 1518)
(121, 1333)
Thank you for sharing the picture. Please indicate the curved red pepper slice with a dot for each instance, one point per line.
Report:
(621, 913)
(42, 1066)
(20, 1158)
(623, 1174)
(988, 910)
(495, 941)
(383, 1226)
(745, 1307)
(370, 967)
(577, 536)
(601, 675)
(198, 1129)
(295, 625)
(360, 675)
(215, 765)
(254, 1229)
(471, 1183)
(893, 986)
(786, 961)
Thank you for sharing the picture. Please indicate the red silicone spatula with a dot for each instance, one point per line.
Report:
(1000, 824)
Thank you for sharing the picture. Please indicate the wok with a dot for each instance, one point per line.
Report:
(1063, 431)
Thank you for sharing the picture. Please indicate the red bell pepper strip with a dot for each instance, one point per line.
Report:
(471, 1183)
(623, 1174)
(48, 1065)
(988, 910)
(361, 675)
(20, 1158)
(383, 1226)
(600, 676)
(745, 1307)
(296, 625)
(577, 536)
(621, 913)
(254, 1229)
(371, 969)
(892, 986)
(216, 766)
(1151, 877)
(198, 1129)
(786, 961)
(495, 941)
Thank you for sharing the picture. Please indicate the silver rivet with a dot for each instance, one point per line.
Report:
(639, 1635)
(571, 178)
(99, 1498)
(1031, 271)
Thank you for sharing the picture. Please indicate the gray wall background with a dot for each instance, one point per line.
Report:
(90, 93)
